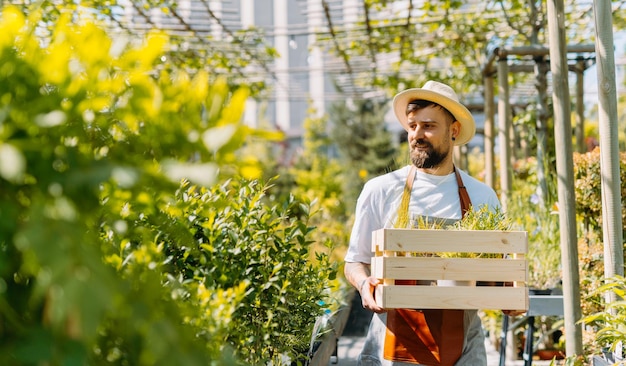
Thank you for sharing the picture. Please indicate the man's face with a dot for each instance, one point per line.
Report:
(430, 140)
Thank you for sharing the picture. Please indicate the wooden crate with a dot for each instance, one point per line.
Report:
(412, 254)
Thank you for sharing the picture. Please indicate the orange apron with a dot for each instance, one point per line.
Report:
(431, 337)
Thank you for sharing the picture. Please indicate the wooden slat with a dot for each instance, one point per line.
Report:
(477, 269)
(463, 241)
(430, 265)
(457, 297)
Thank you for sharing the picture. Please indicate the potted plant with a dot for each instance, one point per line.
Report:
(552, 344)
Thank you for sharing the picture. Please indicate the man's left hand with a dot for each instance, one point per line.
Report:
(514, 312)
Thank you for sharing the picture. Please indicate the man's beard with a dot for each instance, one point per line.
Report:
(427, 159)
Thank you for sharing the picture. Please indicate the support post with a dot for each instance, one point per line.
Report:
(565, 176)
(609, 147)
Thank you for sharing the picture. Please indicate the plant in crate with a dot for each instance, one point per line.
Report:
(482, 218)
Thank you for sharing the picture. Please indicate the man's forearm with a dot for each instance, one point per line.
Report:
(357, 273)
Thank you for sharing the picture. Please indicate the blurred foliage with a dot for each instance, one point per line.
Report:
(320, 178)
(588, 190)
(453, 45)
(587, 185)
(611, 322)
(540, 218)
(104, 257)
(542, 223)
(189, 50)
(589, 200)
(364, 143)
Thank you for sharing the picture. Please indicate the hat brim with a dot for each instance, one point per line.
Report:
(458, 110)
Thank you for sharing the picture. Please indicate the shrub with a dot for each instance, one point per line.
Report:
(588, 186)
(231, 238)
(101, 262)
(610, 323)
(589, 200)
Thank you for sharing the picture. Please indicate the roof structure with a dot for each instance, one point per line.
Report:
(364, 43)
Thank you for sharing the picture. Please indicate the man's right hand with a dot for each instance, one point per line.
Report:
(359, 276)
(367, 295)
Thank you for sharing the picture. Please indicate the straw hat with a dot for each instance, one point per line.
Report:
(443, 95)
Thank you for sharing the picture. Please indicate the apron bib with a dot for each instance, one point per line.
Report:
(431, 337)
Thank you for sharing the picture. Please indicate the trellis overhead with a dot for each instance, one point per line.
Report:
(368, 47)
(372, 41)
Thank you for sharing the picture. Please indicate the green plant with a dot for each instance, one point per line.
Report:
(587, 185)
(484, 218)
(610, 323)
(363, 141)
(233, 237)
(571, 361)
(540, 219)
(93, 140)
(588, 192)
(544, 250)
(319, 178)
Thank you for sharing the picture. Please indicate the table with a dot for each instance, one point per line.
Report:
(538, 305)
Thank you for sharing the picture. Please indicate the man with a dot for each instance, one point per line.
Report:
(435, 122)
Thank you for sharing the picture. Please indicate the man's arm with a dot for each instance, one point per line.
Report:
(359, 276)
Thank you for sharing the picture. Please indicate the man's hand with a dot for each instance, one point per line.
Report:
(359, 276)
(367, 295)
(514, 312)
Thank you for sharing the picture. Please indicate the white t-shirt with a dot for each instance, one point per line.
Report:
(433, 197)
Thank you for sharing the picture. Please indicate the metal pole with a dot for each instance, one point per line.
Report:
(489, 138)
(565, 176)
(581, 147)
(503, 132)
(541, 127)
(503, 335)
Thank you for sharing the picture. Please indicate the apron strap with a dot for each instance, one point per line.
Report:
(403, 210)
(466, 203)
